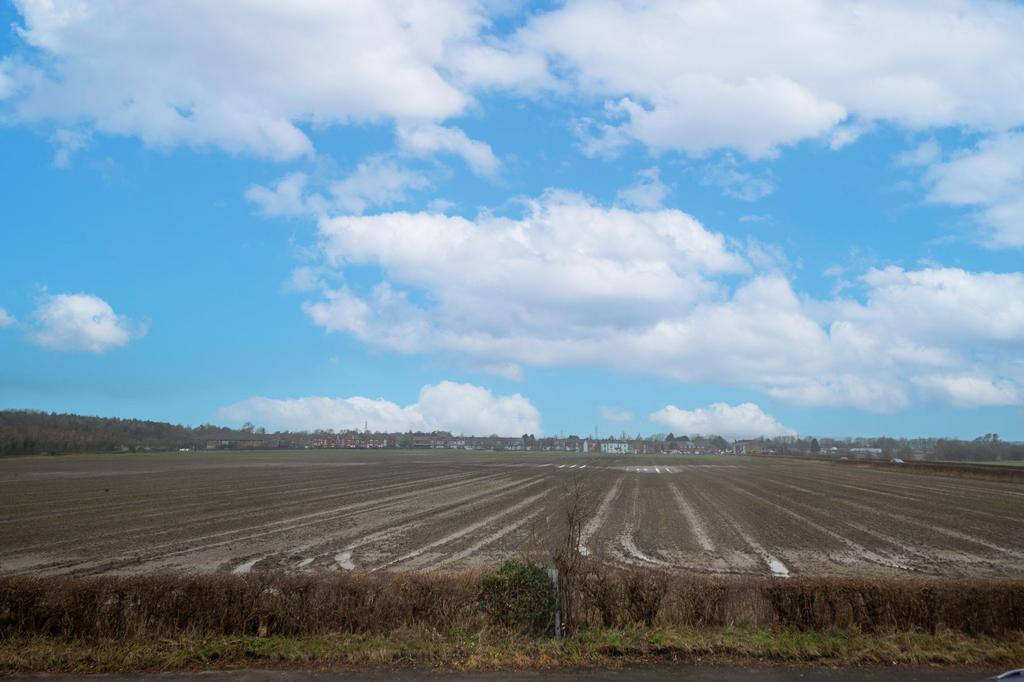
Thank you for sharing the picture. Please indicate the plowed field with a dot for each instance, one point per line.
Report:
(360, 510)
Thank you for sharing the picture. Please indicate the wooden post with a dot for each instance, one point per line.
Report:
(553, 577)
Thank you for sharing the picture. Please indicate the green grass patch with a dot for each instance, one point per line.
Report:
(503, 649)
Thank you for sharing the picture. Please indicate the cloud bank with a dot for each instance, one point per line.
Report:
(655, 292)
(685, 75)
(989, 179)
(445, 406)
(672, 75)
(255, 78)
(745, 420)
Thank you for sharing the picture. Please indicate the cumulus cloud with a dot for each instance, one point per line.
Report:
(6, 319)
(968, 390)
(81, 322)
(745, 420)
(687, 76)
(287, 197)
(924, 154)
(655, 292)
(625, 267)
(376, 181)
(848, 133)
(244, 76)
(424, 139)
(990, 178)
(445, 406)
(254, 77)
(647, 192)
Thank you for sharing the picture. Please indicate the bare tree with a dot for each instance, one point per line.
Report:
(577, 506)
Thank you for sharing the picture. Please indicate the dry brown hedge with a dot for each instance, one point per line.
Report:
(273, 603)
(258, 604)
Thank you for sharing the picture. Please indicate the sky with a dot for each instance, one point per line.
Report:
(593, 216)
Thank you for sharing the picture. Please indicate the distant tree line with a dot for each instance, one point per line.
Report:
(33, 432)
(987, 448)
(30, 432)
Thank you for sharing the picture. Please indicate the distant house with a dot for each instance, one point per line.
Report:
(616, 447)
(646, 447)
(241, 444)
(748, 447)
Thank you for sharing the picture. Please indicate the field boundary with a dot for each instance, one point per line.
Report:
(272, 603)
(965, 469)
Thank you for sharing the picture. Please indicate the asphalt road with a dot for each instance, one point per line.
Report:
(646, 674)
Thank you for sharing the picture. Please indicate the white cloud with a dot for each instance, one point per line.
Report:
(611, 414)
(506, 370)
(989, 178)
(377, 181)
(485, 66)
(287, 197)
(745, 420)
(81, 322)
(847, 134)
(943, 304)
(67, 142)
(244, 76)
(625, 268)
(700, 112)
(924, 154)
(424, 139)
(647, 192)
(736, 183)
(597, 139)
(967, 390)
(696, 76)
(6, 319)
(654, 292)
(304, 279)
(446, 406)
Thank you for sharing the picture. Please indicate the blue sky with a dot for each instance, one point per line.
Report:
(507, 217)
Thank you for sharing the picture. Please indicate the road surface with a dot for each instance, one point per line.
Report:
(645, 674)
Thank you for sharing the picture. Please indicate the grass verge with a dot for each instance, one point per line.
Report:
(497, 649)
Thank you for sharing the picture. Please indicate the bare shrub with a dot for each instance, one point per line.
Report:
(601, 593)
(578, 504)
(874, 604)
(258, 604)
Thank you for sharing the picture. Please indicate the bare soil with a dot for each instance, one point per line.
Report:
(313, 511)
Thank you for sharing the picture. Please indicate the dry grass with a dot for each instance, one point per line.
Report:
(494, 649)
